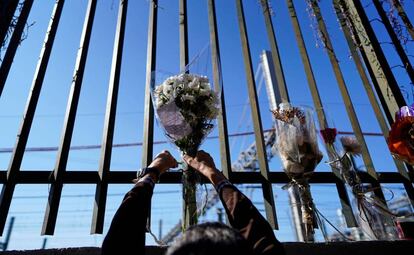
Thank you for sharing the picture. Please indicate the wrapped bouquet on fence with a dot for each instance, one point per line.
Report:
(375, 220)
(186, 107)
(297, 146)
(401, 136)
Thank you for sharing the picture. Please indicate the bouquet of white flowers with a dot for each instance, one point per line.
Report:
(186, 107)
(296, 143)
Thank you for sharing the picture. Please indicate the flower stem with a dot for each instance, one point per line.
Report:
(190, 216)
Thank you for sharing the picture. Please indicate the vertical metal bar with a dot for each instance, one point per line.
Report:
(189, 201)
(395, 40)
(8, 9)
(404, 17)
(222, 121)
(388, 91)
(183, 35)
(148, 137)
(345, 96)
(280, 77)
(25, 126)
(109, 125)
(257, 123)
(14, 43)
(346, 27)
(55, 192)
(342, 192)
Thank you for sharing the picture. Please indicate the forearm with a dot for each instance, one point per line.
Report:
(244, 216)
(126, 234)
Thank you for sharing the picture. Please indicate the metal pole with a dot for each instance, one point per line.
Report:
(189, 188)
(14, 43)
(340, 186)
(387, 90)
(183, 35)
(69, 123)
(277, 64)
(18, 151)
(217, 77)
(109, 125)
(404, 17)
(256, 118)
(294, 201)
(6, 17)
(395, 40)
(148, 137)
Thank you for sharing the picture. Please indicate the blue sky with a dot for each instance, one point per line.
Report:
(76, 207)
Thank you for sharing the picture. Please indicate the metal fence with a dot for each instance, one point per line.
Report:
(378, 79)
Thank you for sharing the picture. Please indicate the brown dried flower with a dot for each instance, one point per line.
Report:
(289, 114)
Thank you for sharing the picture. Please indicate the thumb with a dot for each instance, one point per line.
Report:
(187, 158)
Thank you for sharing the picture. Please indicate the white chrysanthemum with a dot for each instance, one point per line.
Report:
(193, 84)
(159, 103)
(214, 111)
(204, 79)
(188, 98)
(167, 91)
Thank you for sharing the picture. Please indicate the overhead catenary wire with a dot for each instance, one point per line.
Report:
(135, 144)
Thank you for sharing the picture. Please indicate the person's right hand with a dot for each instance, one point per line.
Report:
(204, 164)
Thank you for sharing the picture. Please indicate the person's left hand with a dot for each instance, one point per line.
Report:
(164, 161)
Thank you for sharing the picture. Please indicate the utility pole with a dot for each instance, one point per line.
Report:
(5, 244)
(160, 229)
(220, 215)
(44, 243)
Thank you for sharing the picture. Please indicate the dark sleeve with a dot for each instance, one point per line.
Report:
(244, 216)
(126, 234)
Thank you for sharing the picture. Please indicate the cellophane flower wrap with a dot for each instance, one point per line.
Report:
(374, 219)
(401, 136)
(187, 108)
(296, 140)
(297, 146)
(340, 162)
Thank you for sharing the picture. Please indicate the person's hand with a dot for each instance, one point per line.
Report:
(164, 161)
(204, 164)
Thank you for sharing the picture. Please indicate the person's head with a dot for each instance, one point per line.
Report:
(210, 238)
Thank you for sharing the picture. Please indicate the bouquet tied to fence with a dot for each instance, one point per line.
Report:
(297, 146)
(375, 220)
(401, 136)
(186, 107)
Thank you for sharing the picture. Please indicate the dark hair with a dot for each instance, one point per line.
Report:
(210, 238)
